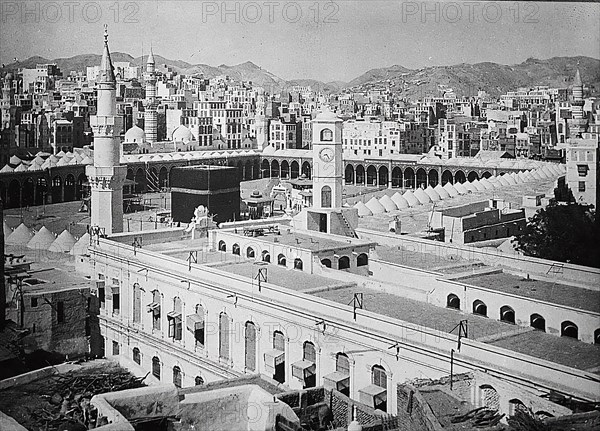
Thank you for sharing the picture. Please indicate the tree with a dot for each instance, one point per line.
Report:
(565, 233)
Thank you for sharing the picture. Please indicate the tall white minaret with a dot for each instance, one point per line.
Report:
(150, 103)
(106, 175)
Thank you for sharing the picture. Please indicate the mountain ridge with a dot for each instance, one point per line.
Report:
(464, 78)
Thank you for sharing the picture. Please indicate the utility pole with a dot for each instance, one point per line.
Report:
(2, 289)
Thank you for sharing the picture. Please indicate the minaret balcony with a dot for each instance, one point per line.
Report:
(106, 125)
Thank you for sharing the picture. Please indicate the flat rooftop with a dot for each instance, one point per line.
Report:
(280, 276)
(561, 350)
(293, 238)
(571, 296)
(426, 261)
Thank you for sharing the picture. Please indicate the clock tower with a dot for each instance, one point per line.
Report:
(328, 169)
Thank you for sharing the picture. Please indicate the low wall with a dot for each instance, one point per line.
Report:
(25, 378)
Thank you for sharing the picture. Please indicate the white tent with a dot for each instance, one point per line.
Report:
(452, 191)
(362, 209)
(461, 189)
(440, 191)
(81, 246)
(487, 185)
(375, 206)
(388, 203)
(478, 186)
(422, 196)
(400, 202)
(433, 195)
(42, 239)
(63, 242)
(20, 236)
(411, 199)
(504, 181)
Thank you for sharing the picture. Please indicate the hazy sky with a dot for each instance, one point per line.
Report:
(306, 39)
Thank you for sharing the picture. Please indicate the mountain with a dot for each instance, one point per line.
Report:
(495, 79)
(464, 79)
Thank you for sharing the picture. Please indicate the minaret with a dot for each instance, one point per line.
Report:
(150, 103)
(260, 121)
(106, 176)
(577, 124)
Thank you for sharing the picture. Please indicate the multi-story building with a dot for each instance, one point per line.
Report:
(582, 156)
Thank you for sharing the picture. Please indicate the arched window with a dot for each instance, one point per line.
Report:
(344, 262)
(569, 329)
(265, 256)
(196, 324)
(453, 301)
(156, 367)
(326, 135)
(137, 303)
(362, 259)
(175, 320)
(250, 253)
(250, 344)
(479, 308)
(222, 246)
(198, 381)
(515, 405)
(326, 262)
(298, 263)
(342, 366)
(177, 376)
(154, 308)
(279, 363)
(223, 336)
(137, 356)
(309, 353)
(325, 197)
(379, 378)
(507, 314)
(235, 249)
(489, 397)
(307, 371)
(538, 322)
(597, 336)
(281, 260)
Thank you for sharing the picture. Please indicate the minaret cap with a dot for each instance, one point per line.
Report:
(106, 73)
(577, 79)
(150, 57)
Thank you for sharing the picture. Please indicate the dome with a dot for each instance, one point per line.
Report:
(269, 149)
(135, 134)
(182, 134)
(256, 194)
(327, 115)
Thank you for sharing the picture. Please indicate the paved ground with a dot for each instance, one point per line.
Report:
(417, 260)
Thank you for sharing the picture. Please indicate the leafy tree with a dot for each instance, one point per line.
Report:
(566, 233)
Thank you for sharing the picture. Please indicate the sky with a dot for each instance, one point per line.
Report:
(321, 40)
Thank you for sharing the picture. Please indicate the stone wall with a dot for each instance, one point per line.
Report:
(414, 413)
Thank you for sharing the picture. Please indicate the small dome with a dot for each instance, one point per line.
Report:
(135, 134)
(269, 149)
(182, 134)
(327, 115)
(256, 194)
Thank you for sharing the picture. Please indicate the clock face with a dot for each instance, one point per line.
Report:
(326, 154)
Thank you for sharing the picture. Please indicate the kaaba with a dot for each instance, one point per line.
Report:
(215, 187)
